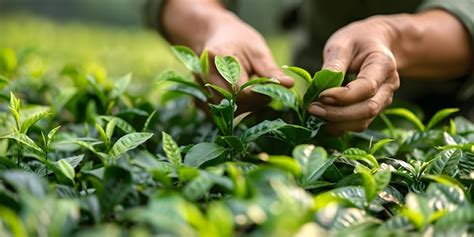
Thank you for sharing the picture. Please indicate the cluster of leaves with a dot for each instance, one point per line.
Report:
(95, 160)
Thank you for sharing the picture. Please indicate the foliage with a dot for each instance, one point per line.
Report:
(90, 160)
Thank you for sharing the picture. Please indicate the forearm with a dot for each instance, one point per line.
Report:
(189, 22)
(432, 45)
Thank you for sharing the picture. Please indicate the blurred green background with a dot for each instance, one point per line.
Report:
(108, 37)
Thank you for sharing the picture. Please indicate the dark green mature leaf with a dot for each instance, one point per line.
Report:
(278, 93)
(322, 80)
(439, 116)
(466, 163)
(295, 134)
(128, 142)
(25, 182)
(172, 150)
(463, 215)
(313, 161)
(445, 162)
(188, 58)
(203, 152)
(261, 129)
(117, 184)
(229, 68)
(444, 197)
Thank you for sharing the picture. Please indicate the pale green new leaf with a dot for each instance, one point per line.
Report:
(322, 80)
(188, 57)
(51, 135)
(31, 120)
(260, 80)
(109, 128)
(369, 181)
(23, 139)
(226, 94)
(120, 85)
(172, 150)
(204, 63)
(67, 169)
(407, 114)
(128, 142)
(300, 72)
(120, 123)
(239, 118)
(379, 145)
(313, 161)
(439, 116)
(229, 68)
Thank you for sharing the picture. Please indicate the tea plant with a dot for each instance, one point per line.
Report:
(96, 160)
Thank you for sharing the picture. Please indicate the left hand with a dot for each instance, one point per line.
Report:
(362, 47)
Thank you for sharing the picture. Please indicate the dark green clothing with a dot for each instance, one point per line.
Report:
(319, 19)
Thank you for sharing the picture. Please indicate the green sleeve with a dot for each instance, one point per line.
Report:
(462, 9)
(153, 9)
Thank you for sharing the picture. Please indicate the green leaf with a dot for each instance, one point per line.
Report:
(283, 162)
(379, 145)
(445, 197)
(407, 114)
(313, 161)
(300, 72)
(359, 154)
(369, 181)
(221, 218)
(109, 129)
(466, 163)
(23, 139)
(203, 152)
(204, 62)
(67, 169)
(278, 93)
(120, 123)
(15, 108)
(260, 80)
(322, 80)
(445, 162)
(261, 129)
(11, 221)
(239, 118)
(172, 76)
(148, 121)
(128, 142)
(51, 134)
(172, 150)
(120, 85)
(439, 116)
(295, 134)
(226, 94)
(31, 120)
(382, 179)
(229, 68)
(234, 143)
(117, 183)
(192, 91)
(222, 116)
(188, 58)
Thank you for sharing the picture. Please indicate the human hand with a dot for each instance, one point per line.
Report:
(362, 47)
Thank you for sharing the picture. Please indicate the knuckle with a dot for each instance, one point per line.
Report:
(373, 108)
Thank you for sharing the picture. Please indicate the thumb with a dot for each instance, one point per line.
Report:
(267, 67)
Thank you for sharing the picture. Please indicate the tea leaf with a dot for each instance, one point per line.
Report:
(31, 120)
(261, 129)
(229, 68)
(120, 123)
(300, 72)
(322, 80)
(439, 116)
(278, 93)
(313, 161)
(402, 112)
(446, 162)
(221, 91)
(172, 150)
(188, 58)
(379, 145)
(203, 152)
(204, 62)
(120, 85)
(66, 169)
(260, 80)
(128, 142)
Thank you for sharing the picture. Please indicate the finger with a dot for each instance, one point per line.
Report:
(339, 128)
(337, 56)
(377, 69)
(265, 66)
(358, 111)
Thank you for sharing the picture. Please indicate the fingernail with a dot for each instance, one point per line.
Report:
(317, 110)
(327, 100)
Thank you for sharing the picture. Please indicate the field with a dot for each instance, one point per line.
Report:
(100, 135)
